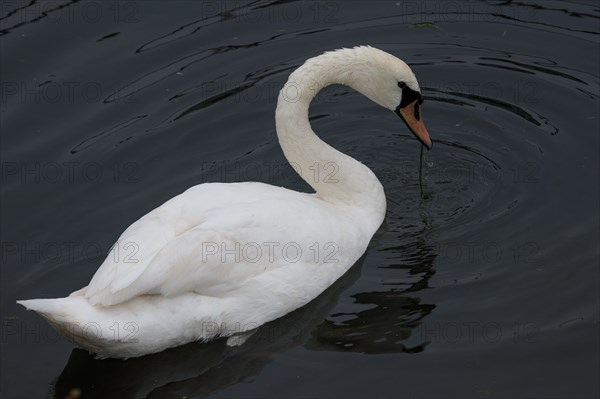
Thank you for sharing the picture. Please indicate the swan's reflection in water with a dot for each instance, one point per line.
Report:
(201, 369)
(392, 315)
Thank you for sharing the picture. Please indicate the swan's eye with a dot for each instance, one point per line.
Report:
(401, 85)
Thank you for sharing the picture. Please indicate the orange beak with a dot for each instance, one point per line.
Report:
(411, 115)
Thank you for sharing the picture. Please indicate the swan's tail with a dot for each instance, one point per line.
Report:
(66, 315)
(134, 328)
(57, 311)
(48, 308)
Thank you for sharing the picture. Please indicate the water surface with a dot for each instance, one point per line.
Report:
(484, 285)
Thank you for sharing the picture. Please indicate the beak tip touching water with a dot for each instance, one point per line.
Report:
(428, 144)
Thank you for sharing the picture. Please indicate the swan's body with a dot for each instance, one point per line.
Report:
(221, 259)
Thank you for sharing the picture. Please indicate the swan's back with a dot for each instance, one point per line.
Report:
(214, 237)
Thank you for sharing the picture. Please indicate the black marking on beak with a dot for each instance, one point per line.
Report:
(409, 96)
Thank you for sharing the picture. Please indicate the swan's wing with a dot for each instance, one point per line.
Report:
(132, 253)
(205, 240)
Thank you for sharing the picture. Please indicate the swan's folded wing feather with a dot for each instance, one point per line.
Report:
(129, 257)
(176, 246)
(191, 261)
(201, 260)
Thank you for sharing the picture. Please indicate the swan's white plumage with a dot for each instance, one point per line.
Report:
(160, 276)
(231, 222)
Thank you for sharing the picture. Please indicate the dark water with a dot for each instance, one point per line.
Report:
(487, 286)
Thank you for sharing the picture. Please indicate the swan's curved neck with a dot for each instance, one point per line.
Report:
(336, 177)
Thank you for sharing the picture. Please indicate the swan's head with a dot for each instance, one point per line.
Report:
(389, 82)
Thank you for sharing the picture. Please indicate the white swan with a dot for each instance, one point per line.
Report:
(221, 259)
